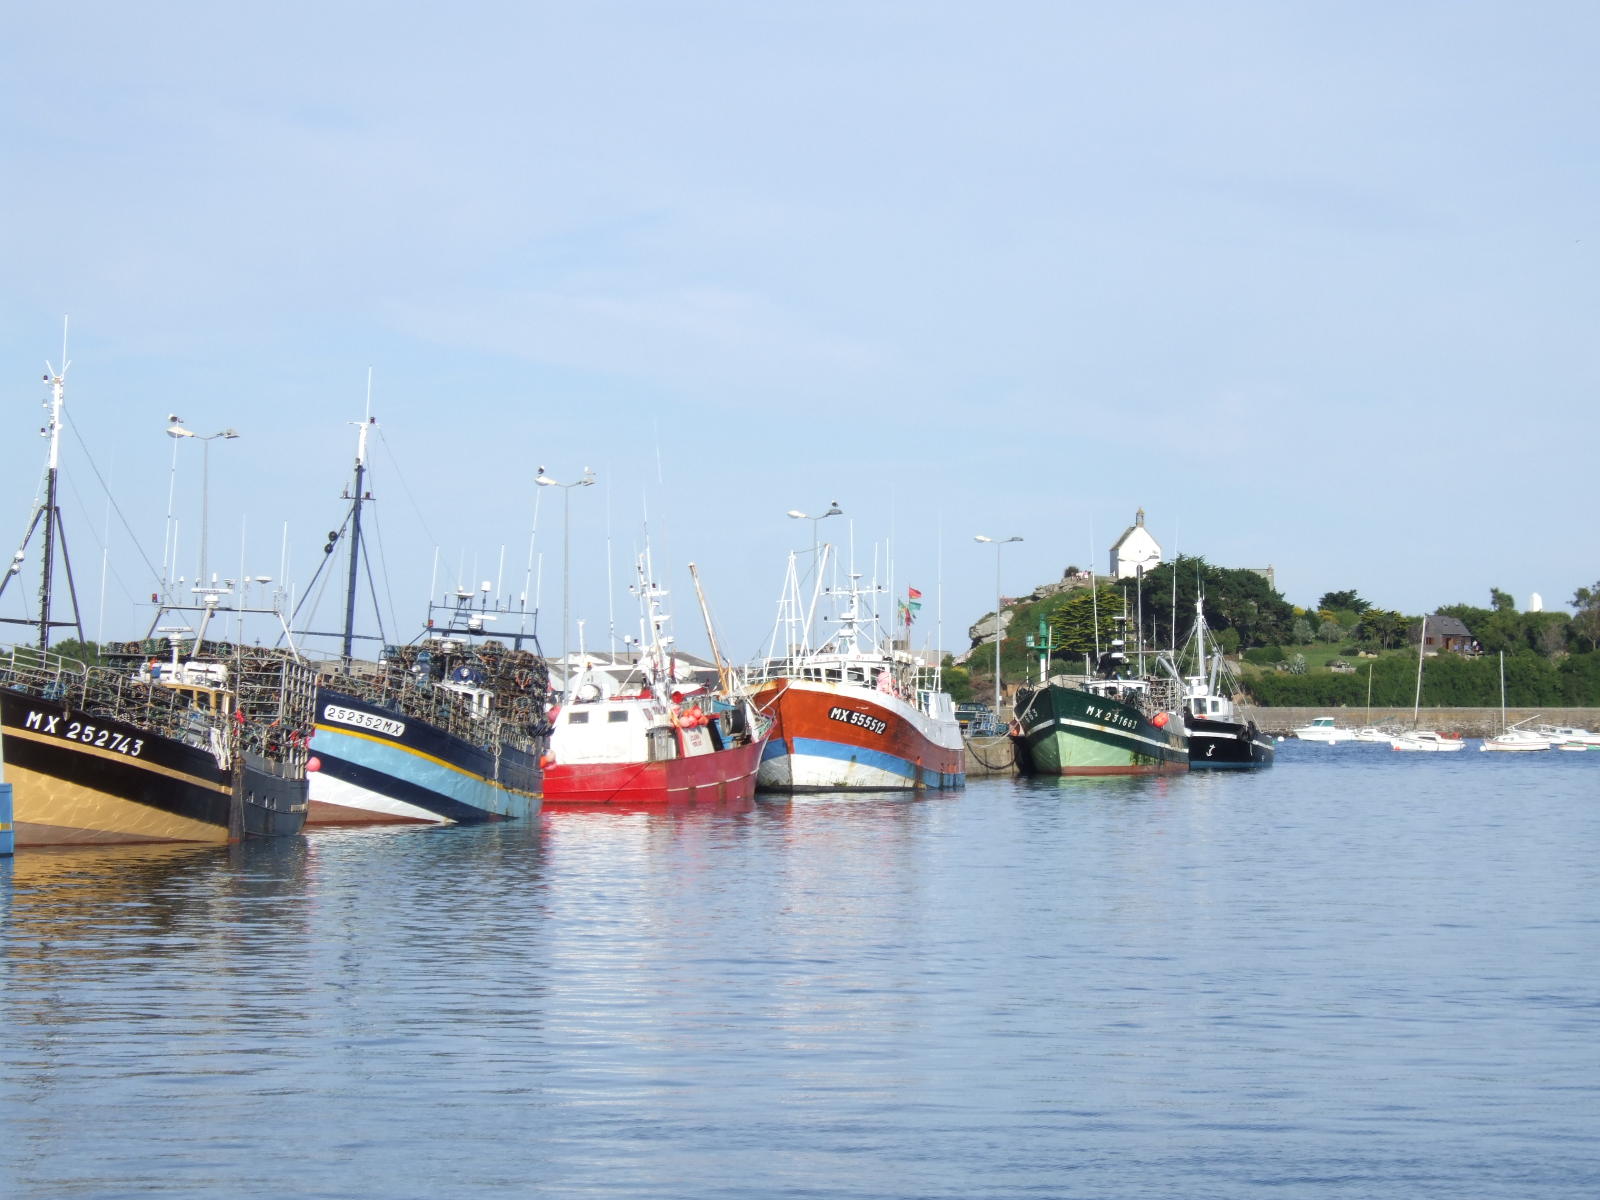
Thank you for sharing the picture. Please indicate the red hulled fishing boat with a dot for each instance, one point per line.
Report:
(645, 739)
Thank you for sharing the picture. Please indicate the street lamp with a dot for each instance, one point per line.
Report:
(999, 625)
(833, 511)
(544, 480)
(176, 430)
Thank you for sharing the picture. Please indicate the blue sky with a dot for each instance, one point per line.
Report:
(1314, 284)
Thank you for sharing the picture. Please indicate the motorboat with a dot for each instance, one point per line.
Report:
(1426, 740)
(1322, 729)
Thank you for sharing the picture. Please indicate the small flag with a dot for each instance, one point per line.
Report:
(913, 593)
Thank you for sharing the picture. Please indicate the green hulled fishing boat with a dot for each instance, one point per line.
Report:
(1074, 726)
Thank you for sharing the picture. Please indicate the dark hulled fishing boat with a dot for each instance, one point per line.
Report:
(207, 748)
(449, 727)
(1220, 737)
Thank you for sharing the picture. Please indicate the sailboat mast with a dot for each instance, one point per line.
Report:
(1502, 691)
(1416, 702)
(355, 539)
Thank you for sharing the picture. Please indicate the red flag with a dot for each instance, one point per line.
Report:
(913, 594)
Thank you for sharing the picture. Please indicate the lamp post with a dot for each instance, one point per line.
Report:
(176, 429)
(999, 625)
(833, 511)
(544, 480)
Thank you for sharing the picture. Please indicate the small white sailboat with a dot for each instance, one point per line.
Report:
(1423, 739)
(1513, 739)
(1370, 732)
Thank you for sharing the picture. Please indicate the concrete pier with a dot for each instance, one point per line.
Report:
(990, 755)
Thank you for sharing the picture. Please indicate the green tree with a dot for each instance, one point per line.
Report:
(1501, 601)
(1348, 601)
(1383, 627)
(88, 653)
(1084, 620)
(1586, 623)
(957, 681)
(1241, 600)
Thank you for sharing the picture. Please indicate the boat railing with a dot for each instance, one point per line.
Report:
(109, 692)
(520, 724)
(1150, 695)
(42, 673)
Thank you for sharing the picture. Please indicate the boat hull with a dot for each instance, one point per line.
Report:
(1065, 731)
(84, 779)
(1434, 744)
(1227, 745)
(722, 777)
(380, 766)
(831, 736)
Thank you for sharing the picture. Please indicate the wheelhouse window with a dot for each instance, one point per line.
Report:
(578, 718)
(616, 715)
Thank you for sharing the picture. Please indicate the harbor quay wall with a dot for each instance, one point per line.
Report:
(990, 756)
(995, 756)
(1468, 722)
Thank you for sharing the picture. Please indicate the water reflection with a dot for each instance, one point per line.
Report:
(1220, 985)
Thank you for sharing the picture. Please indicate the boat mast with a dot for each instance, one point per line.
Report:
(1416, 702)
(46, 574)
(723, 682)
(355, 538)
(1503, 692)
(49, 512)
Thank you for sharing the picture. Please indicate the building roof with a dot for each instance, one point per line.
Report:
(1138, 523)
(1447, 626)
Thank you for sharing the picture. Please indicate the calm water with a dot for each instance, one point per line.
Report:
(1358, 974)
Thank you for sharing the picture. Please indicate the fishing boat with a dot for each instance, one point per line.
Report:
(1110, 724)
(207, 746)
(1220, 737)
(853, 713)
(1424, 740)
(448, 727)
(646, 739)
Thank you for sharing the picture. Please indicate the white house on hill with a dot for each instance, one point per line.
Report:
(1135, 549)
